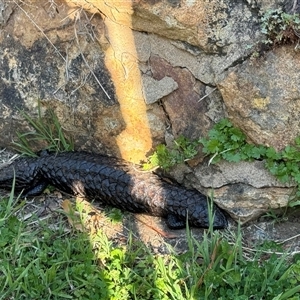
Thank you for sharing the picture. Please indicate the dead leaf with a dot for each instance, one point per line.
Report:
(73, 216)
(91, 217)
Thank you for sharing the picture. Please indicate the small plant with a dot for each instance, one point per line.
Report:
(114, 214)
(229, 143)
(183, 149)
(224, 142)
(46, 130)
(280, 27)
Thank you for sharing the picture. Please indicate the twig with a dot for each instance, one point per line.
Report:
(9, 161)
(84, 59)
(286, 240)
(294, 6)
(159, 231)
(40, 29)
(207, 95)
(270, 252)
(83, 82)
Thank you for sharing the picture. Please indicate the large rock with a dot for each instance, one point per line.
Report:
(214, 26)
(64, 59)
(182, 106)
(216, 34)
(245, 190)
(224, 173)
(54, 69)
(262, 97)
(245, 203)
(123, 76)
(206, 67)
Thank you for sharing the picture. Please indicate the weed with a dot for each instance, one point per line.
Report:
(280, 27)
(229, 143)
(46, 130)
(38, 262)
(114, 214)
(182, 150)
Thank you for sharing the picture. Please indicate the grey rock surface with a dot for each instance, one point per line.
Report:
(262, 97)
(224, 173)
(244, 202)
(157, 89)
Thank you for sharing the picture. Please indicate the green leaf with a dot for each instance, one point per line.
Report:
(232, 156)
(272, 153)
(224, 123)
(213, 146)
(296, 177)
(289, 152)
(237, 135)
(294, 203)
(258, 152)
(216, 134)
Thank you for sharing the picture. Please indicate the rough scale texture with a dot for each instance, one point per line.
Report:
(112, 181)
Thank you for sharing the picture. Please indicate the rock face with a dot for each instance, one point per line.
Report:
(124, 76)
(244, 189)
(59, 69)
(263, 105)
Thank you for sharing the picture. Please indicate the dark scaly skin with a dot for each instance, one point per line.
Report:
(112, 181)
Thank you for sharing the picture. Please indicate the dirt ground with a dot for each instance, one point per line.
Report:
(153, 231)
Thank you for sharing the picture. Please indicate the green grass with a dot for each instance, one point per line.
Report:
(46, 131)
(38, 262)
